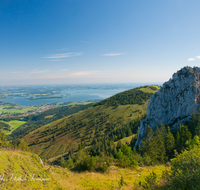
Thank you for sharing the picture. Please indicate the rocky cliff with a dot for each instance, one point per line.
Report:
(174, 102)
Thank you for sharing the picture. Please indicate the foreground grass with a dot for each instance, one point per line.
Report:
(16, 166)
(22, 170)
(108, 180)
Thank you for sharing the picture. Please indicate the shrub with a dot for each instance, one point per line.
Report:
(95, 164)
(185, 170)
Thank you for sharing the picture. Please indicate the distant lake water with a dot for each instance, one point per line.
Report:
(75, 95)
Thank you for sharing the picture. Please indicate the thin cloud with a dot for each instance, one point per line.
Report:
(63, 70)
(112, 54)
(83, 73)
(191, 59)
(37, 71)
(85, 42)
(80, 73)
(62, 49)
(15, 72)
(64, 55)
(57, 60)
(198, 57)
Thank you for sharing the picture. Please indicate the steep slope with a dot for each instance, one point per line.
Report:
(173, 104)
(23, 170)
(33, 121)
(67, 133)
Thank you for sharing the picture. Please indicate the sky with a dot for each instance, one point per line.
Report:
(97, 41)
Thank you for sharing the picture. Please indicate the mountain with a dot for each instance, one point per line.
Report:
(173, 104)
(112, 116)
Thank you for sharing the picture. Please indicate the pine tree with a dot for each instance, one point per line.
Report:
(149, 134)
(3, 141)
(158, 142)
(183, 135)
(197, 127)
(192, 126)
(119, 145)
(62, 162)
(24, 145)
(178, 141)
(169, 143)
(129, 133)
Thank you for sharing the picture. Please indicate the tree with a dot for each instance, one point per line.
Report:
(169, 143)
(23, 145)
(153, 147)
(126, 150)
(183, 135)
(62, 162)
(192, 126)
(197, 125)
(3, 140)
(119, 145)
(186, 170)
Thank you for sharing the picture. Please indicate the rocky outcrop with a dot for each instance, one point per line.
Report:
(173, 104)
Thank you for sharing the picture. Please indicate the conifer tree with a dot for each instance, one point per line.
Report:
(3, 141)
(119, 145)
(23, 145)
(197, 127)
(169, 143)
(192, 126)
(129, 133)
(158, 142)
(183, 135)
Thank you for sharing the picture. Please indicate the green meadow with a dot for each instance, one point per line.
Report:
(14, 125)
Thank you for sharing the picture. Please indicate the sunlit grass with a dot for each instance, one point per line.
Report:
(14, 125)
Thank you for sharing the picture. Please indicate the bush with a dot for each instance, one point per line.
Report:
(186, 170)
(98, 164)
(83, 162)
(126, 158)
(150, 181)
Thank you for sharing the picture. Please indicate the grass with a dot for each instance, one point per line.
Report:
(84, 125)
(16, 109)
(48, 116)
(108, 180)
(148, 89)
(20, 170)
(20, 164)
(85, 128)
(14, 125)
(125, 140)
(81, 103)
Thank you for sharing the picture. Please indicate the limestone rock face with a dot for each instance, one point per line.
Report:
(173, 103)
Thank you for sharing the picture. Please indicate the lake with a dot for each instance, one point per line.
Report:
(75, 95)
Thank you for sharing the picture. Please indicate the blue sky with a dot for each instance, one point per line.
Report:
(97, 41)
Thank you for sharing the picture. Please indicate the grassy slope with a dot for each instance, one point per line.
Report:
(14, 125)
(125, 140)
(16, 165)
(22, 164)
(59, 136)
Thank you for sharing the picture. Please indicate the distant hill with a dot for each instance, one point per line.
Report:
(105, 117)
